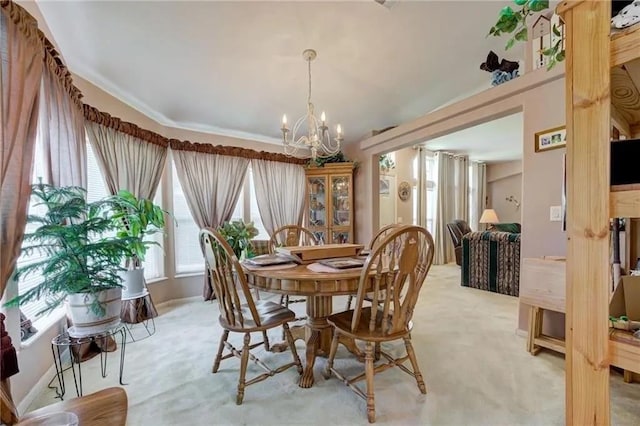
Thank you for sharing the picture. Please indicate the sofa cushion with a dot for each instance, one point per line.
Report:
(508, 227)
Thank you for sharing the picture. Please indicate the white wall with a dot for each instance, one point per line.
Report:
(504, 180)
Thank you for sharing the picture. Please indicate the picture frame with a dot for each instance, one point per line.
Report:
(385, 186)
(551, 139)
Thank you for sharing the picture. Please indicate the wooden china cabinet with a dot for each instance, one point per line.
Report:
(329, 205)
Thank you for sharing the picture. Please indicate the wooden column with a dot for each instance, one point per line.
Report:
(588, 112)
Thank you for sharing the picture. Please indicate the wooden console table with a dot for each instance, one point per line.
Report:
(542, 287)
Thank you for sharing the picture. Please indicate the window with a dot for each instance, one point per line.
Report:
(97, 189)
(187, 248)
(27, 282)
(431, 167)
(473, 198)
(254, 212)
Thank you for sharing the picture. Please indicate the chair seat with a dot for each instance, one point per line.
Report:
(342, 321)
(270, 315)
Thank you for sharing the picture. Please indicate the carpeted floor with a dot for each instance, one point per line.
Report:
(476, 369)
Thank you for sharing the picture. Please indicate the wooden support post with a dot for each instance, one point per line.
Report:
(588, 101)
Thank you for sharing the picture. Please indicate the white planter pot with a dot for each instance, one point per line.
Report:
(133, 283)
(85, 321)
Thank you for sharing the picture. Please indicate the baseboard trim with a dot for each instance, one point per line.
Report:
(36, 390)
(522, 333)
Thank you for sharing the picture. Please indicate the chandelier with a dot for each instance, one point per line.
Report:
(317, 141)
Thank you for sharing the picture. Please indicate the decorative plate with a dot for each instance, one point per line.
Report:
(404, 191)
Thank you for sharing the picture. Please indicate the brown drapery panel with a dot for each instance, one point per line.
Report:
(21, 57)
(233, 151)
(62, 125)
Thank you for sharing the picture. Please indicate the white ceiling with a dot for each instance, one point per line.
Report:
(495, 141)
(235, 67)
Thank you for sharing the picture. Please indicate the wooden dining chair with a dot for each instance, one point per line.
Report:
(375, 241)
(246, 318)
(287, 236)
(396, 269)
(292, 235)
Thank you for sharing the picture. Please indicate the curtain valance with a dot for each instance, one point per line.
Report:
(24, 22)
(97, 116)
(233, 151)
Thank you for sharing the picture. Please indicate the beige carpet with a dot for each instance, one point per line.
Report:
(476, 369)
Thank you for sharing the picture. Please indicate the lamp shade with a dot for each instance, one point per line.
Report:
(489, 216)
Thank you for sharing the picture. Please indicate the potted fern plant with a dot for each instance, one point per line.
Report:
(136, 219)
(80, 259)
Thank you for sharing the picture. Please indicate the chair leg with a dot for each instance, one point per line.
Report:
(244, 360)
(284, 300)
(414, 364)
(265, 340)
(216, 363)
(369, 372)
(349, 300)
(292, 346)
(332, 355)
(377, 352)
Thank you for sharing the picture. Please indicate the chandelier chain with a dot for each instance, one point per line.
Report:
(309, 98)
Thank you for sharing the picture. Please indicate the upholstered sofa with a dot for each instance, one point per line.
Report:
(491, 261)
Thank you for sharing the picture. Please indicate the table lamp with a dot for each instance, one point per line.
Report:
(489, 217)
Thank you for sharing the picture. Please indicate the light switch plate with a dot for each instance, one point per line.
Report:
(555, 213)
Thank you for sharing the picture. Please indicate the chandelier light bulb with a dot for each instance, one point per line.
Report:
(284, 120)
(339, 130)
(323, 118)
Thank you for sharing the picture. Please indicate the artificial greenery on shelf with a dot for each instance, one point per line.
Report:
(321, 161)
(75, 247)
(514, 21)
(386, 163)
(239, 235)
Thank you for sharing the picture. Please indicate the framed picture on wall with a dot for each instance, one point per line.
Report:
(551, 139)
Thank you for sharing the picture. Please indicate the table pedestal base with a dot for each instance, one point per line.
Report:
(317, 335)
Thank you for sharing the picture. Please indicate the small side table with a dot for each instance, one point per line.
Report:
(64, 340)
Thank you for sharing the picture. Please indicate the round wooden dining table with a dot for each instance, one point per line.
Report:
(319, 288)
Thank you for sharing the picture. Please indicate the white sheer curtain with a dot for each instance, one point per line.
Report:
(478, 193)
(452, 201)
(127, 162)
(280, 193)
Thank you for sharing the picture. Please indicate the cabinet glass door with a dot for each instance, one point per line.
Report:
(340, 209)
(317, 205)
